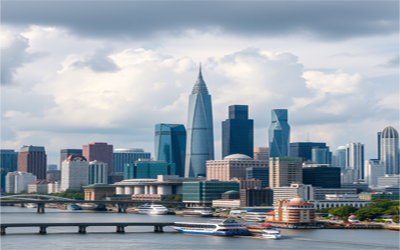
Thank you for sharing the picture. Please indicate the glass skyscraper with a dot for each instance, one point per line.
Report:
(341, 157)
(170, 145)
(200, 138)
(237, 132)
(279, 133)
(304, 149)
(121, 156)
(390, 150)
(355, 159)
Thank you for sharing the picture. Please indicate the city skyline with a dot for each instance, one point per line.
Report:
(66, 84)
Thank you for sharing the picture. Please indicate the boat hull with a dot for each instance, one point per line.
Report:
(212, 233)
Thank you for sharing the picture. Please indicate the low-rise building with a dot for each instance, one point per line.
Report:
(256, 197)
(40, 187)
(204, 192)
(18, 181)
(99, 191)
(389, 180)
(226, 203)
(304, 191)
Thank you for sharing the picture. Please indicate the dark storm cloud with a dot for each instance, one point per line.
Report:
(324, 20)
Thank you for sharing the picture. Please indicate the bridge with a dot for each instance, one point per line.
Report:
(120, 226)
(121, 205)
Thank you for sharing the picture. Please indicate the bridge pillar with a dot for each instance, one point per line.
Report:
(40, 208)
(3, 230)
(120, 229)
(121, 207)
(158, 229)
(82, 229)
(42, 230)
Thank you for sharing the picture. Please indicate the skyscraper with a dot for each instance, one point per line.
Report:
(121, 156)
(170, 145)
(8, 163)
(355, 160)
(321, 155)
(74, 172)
(261, 153)
(340, 161)
(237, 132)
(99, 151)
(390, 150)
(98, 172)
(284, 171)
(374, 168)
(304, 149)
(279, 133)
(379, 145)
(33, 159)
(200, 138)
(64, 153)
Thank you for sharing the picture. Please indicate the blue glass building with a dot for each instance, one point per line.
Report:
(304, 149)
(237, 132)
(321, 155)
(279, 133)
(170, 145)
(148, 169)
(8, 163)
(121, 156)
(341, 157)
(200, 138)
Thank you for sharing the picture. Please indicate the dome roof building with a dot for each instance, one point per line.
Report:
(390, 150)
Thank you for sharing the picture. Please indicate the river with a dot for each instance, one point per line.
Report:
(145, 238)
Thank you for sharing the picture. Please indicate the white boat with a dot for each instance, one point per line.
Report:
(219, 227)
(271, 233)
(198, 212)
(152, 209)
(31, 205)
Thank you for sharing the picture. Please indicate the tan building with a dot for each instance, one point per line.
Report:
(98, 192)
(284, 171)
(231, 166)
(294, 214)
(38, 187)
(261, 154)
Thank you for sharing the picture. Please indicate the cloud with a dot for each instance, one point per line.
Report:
(98, 62)
(138, 19)
(391, 63)
(14, 55)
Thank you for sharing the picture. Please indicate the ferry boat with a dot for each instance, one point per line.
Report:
(153, 209)
(219, 227)
(264, 231)
(31, 205)
(198, 212)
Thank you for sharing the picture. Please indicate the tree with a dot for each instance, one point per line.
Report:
(368, 213)
(396, 218)
(343, 212)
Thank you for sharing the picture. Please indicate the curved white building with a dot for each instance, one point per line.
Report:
(390, 150)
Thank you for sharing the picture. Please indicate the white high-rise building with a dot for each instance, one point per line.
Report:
(74, 172)
(17, 181)
(390, 150)
(355, 160)
(98, 172)
(374, 168)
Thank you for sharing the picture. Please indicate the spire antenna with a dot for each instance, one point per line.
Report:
(200, 68)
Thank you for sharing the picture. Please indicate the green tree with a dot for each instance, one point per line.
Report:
(396, 218)
(368, 213)
(343, 212)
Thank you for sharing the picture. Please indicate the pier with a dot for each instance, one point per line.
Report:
(81, 226)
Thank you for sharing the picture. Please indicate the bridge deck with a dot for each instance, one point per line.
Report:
(158, 226)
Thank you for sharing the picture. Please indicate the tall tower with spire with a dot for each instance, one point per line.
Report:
(200, 138)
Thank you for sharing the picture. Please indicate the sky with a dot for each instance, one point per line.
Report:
(75, 72)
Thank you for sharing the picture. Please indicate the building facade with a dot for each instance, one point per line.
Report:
(321, 175)
(200, 135)
(8, 163)
(390, 150)
(374, 168)
(99, 151)
(238, 132)
(284, 171)
(206, 191)
(304, 149)
(64, 153)
(98, 172)
(340, 157)
(261, 153)
(143, 169)
(304, 191)
(355, 160)
(17, 181)
(231, 166)
(40, 187)
(321, 155)
(33, 159)
(260, 173)
(74, 173)
(170, 145)
(256, 197)
(279, 133)
(121, 156)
